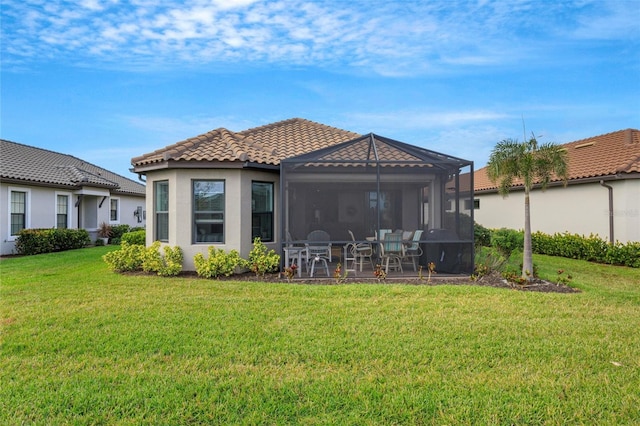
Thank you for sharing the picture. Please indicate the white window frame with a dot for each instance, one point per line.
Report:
(157, 212)
(69, 205)
(117, 209)
(27, 210)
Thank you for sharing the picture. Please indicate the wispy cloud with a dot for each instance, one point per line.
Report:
(392, 38)
(403, 120)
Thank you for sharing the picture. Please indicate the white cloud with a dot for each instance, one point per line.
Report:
(391, 38)
(427, 120)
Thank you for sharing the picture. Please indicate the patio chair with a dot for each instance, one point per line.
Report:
(412, 250)
(392, 251)
(318, 251)
(295, 254)
(383, 232)
(361, 251)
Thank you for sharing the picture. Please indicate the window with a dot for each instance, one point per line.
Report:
(18, 217)
(262, 210)
(476, 204)
(114, 210)
(62, 211)
(208, 211)
(161, 207)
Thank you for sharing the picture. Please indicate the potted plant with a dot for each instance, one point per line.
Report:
(104, 232)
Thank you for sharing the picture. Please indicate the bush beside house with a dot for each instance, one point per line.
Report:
(38, 241)
(574, 246)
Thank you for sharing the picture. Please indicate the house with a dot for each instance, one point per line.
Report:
(286, 179)
(46, 189)
(602, 196)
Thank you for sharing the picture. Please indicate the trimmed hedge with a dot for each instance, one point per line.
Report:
(37, 241)
(574, 246)
(591, 248)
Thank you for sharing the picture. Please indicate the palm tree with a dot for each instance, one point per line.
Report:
(526, 163)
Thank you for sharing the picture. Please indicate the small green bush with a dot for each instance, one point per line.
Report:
(482, 235)
(128, 258)
(261, 259)
(135, 257)
(507, 240)
(117, 231)
(168, 265)
(36, 241)
(487, 260)
(134, 237)
(218, 263)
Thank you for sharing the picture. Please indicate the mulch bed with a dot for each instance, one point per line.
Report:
(493, 279)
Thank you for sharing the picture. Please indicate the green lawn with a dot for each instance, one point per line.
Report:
(82, 345)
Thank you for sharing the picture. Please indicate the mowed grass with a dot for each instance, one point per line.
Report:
(83, 345)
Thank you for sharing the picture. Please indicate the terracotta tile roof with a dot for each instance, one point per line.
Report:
(599, 156)
(30, 165)
(267, 144)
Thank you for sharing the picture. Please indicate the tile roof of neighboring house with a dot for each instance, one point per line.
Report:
(616, 153)
(30, 165)
(265, 145)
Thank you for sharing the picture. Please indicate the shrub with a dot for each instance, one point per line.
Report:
(261, 259)
(135, 237)
(218, 263)
(624, 254)
(168, 265)
(117, 231)
(135, 257)
(507, 240)
(36, 241)
(487, 260)
(482, 235)
(128, 258)
(591, 248)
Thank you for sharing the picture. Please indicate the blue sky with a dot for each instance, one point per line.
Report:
(108, 80)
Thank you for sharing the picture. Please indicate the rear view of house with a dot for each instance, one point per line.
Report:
(284, 181)
(46, 189)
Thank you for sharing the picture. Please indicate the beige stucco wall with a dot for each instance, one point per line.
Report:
(580, 209)
(237, 209)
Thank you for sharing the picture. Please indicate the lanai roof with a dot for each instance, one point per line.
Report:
(372, 148)
(265, 145)
(31, 165)
(611, 154)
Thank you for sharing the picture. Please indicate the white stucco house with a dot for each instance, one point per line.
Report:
(281, 181)
(602, 196)
(40, 188)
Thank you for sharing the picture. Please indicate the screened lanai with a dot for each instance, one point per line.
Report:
(373, 185)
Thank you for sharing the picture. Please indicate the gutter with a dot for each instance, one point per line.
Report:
(610, 188)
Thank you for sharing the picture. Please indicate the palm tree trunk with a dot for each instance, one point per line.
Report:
(527, 258)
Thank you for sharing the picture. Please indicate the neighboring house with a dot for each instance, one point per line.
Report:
(224, 188)
(602, 196)
(46, 189)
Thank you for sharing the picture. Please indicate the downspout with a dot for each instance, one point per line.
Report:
(610, 188)
(78, 205)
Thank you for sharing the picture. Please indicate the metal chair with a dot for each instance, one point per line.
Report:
(361, 251)
(318, 251)
(413, 251)
(392, 251)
